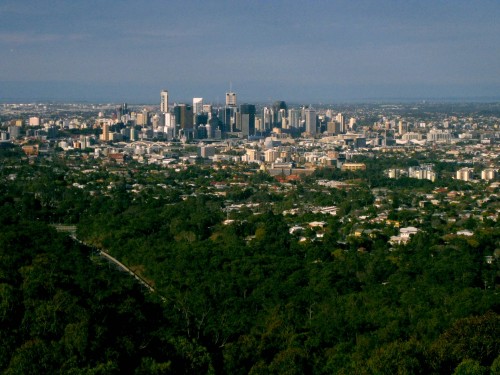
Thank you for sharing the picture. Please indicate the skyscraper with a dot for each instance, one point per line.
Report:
(279, 111)
(226, 115)
(247, 119)
(341, 120)
(294, 118)
(164, 101)
(230, 99)
(184, 116)
(267, 118)
(197, 105)
(310, 115)
(105, 132)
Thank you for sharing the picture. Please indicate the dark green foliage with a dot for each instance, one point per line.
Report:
(62, 313)
(247, 297)
(259, 302)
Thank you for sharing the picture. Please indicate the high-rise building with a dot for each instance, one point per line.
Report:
(145, 113)
(139, 119)
(184, 116)
(293, 118)
(258, 125)
(226, 115)
(352, 123)
(310, 117)
(247, 112)
(333, 127)
(207, 108)
(267, 118)
(124, 109)
(197, 105)
(279, 111)
(105, 133)
(230, 99)
(341, 120)
(164, 101)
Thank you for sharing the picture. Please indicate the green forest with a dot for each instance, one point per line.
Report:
(243, 298)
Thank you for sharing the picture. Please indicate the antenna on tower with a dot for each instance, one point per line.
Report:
(230, 86)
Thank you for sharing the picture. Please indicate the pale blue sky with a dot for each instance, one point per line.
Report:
(291, 50)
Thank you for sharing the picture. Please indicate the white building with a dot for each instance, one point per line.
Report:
(465, 174)
(412, 136)
(252, 155)
(164, 101)
(34, 121)
(230, 99)
(488, 174)
(293, 118)
(270, 156)
(423, 172)
(435, 135)
(197, 105)
(341, 120)
(404, 235)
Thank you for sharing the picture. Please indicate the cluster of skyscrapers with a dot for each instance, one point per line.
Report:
(199, 120)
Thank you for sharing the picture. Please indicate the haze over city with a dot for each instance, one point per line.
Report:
(319, 51)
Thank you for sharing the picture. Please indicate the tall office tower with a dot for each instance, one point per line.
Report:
(278, 106)
(247, 112)
(230, 99)
(105, 132)
(124, 109)
(284, 120)
(237, 121)
(303, 112)
(197, 105)
(133, 135)
(184, 116)
(145, 113)
(139, 119)
(168, 120)
(207, 108)
(341, 120)
(401, 130)
(352, 123)
(293, 118)
(164, 101)
(267, 118)
(208, 129)
(310, 116)
(224, 115)
(258, 125)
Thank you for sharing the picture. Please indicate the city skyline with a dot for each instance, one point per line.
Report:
(325, 51)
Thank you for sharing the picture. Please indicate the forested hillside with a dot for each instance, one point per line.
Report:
(241, 297)
(260, 302)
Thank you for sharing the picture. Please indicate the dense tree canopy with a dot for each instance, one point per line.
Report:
(242, 297)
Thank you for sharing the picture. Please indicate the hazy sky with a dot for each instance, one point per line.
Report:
(128, 50)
